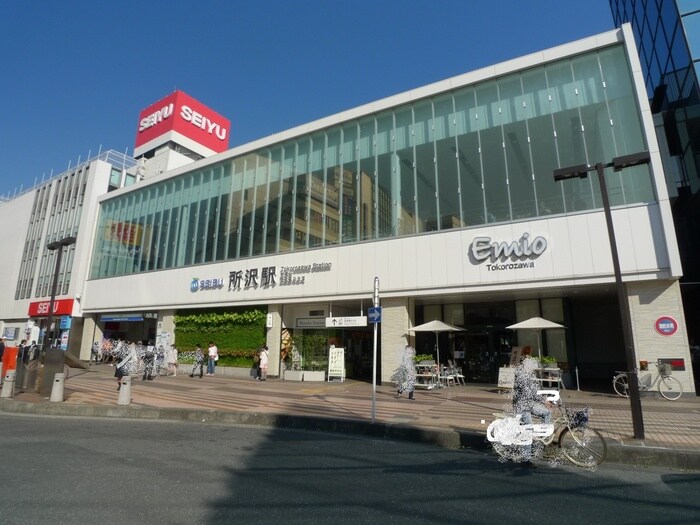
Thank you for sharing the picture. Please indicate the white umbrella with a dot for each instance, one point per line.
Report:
(536, 323)
(436, 327)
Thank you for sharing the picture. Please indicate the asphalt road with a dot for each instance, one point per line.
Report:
(105, 471)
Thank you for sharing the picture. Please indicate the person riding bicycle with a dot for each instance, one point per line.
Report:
(526, 400)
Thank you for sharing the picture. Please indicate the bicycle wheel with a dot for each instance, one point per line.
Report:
(621, 385)
(670, 388)
(583, 446)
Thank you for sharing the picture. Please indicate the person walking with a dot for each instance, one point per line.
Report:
(128, 358)
(198, 361)
(405, 374)
(95, 352)
(172, 361)
(213, 358)
(149, 359)
(262, 364)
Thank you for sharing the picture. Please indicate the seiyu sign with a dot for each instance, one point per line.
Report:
(506, 255)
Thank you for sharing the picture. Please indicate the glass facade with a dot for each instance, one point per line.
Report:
(667, 34)
(481, 154)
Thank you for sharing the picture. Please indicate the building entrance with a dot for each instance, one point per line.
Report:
(485, 351)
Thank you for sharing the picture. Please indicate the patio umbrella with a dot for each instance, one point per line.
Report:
(436, 327)
(536, 323)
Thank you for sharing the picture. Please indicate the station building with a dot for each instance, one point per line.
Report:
(445, 194)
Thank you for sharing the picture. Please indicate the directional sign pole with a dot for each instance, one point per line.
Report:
(374, 354)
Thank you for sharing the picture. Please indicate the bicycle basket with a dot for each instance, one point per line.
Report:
(578, 418)
(664, 369)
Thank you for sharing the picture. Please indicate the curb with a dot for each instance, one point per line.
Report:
(629, 454)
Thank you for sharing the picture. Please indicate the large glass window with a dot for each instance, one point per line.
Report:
(480, 154)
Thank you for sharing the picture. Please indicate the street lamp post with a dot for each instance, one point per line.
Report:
(581, 171)
(52, 246)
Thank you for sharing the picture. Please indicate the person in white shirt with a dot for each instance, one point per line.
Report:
(262, 365)
(172, 361)
(213, 358)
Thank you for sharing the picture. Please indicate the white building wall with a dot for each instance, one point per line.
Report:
(396, 320)
(649, 301)
(577, 253)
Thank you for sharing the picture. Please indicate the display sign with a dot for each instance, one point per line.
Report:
(336, 363)
(65, 322)
(10, 333)
(128, 233)
(345, 322)
(121, 318)
(506, 377)
(677, 363)
(666, 325)
(311, 322)
(60, 307)
(181, 113)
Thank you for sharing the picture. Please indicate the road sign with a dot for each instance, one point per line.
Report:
(346, 322)
(375, 314)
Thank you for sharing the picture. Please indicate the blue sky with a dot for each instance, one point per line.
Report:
(77, 73)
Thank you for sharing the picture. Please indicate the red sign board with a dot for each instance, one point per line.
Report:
(125, 232)
(189, 117)
(666, 325)
(60, 307)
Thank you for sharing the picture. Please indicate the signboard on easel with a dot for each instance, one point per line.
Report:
(506, 377)
(336, 363)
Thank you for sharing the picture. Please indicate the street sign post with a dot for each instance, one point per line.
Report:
(375, 301)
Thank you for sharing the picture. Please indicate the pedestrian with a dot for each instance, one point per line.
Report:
(2, 347)
(262, 364)
(405, 374)
(23, 352)
(33, 351)
(95, 352)
(213, 358)
(121, 368)
(149, 358)
(172, 361)
(198, 361)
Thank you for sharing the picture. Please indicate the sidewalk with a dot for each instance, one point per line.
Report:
(456, 416)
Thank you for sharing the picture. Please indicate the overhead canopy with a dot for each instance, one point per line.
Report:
(538, 324)
(535, 323)
(435, 326)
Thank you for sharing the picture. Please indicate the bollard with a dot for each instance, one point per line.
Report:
(57, 388)
(125, 391)
(8, 385)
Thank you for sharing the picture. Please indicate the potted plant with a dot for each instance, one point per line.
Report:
(548, 361)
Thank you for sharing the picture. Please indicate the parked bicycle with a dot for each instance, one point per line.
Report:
(668, 386)
(581, 445)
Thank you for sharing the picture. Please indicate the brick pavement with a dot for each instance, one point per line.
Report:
(672, 428)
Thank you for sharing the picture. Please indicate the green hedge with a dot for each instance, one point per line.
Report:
(238, 333)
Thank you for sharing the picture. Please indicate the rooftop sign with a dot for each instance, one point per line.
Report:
(185, 115)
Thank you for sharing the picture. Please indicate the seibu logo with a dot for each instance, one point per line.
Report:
(188, 115)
